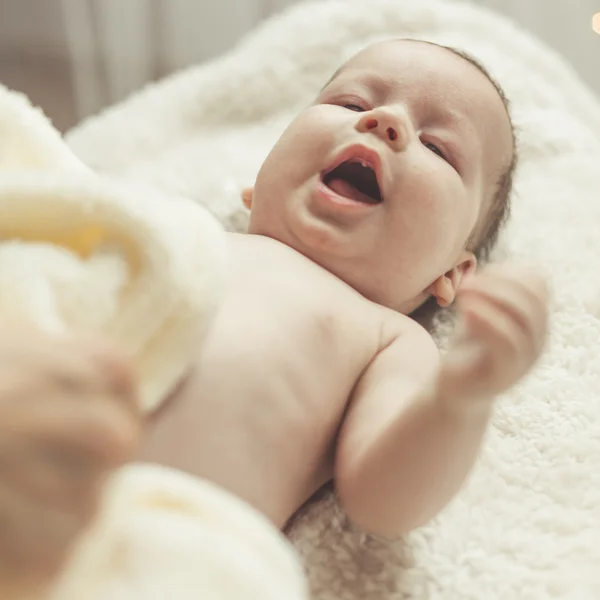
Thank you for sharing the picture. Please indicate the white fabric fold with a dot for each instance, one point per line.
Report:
(79, 252)
(162, 534)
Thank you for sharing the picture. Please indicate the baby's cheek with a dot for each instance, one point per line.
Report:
(449, 211)
(324, 128)
(427, 225)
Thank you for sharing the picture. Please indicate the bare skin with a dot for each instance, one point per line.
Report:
(273, 420)
(312, 369)
(263, 419)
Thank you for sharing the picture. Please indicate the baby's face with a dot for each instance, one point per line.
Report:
(383, 179)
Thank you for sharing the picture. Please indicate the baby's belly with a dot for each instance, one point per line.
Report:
(263, 447)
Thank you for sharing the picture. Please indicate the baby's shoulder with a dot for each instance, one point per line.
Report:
(401, 330)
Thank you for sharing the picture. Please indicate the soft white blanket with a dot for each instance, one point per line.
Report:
(80, 253)
(527, 525)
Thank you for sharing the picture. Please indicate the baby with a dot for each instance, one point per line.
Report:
(380, 197)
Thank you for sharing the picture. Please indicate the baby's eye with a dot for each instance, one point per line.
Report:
(435, 150)
(354, 107)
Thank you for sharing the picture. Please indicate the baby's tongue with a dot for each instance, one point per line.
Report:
(343, 188)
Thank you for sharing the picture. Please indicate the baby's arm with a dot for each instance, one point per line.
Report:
(415, 424)
(67, 417)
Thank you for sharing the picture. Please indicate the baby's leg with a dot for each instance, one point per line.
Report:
(67, 418)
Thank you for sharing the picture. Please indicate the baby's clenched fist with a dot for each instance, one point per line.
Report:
(68, 416)
(503, 326)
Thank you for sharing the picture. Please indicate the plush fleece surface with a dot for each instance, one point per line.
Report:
(78, 252)
(527, 524)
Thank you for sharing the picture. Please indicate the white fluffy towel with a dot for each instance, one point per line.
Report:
(81, 253)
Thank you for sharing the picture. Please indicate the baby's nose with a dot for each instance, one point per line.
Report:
(384, 123)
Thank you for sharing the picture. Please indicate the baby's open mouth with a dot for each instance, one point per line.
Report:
(355, 180)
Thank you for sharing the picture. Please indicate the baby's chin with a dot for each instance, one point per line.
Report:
(346, 252)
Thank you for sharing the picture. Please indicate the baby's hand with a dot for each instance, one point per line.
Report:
(68, 416)
(501, 333)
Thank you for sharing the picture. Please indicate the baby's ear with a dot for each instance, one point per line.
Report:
(445, 287)
(247, 197)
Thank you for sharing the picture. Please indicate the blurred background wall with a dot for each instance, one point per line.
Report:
(73, 57)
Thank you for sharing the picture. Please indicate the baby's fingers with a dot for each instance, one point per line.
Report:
(62, 454)
(508, 352)
(511, 298)
(495, 329)
(111, 369)
(95, 430)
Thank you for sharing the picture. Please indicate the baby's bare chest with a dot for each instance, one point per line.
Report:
(260, 409)
(288, 344)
